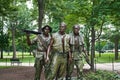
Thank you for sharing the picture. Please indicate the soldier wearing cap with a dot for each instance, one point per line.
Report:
(76, 47)
(41, 41)
(60, 48)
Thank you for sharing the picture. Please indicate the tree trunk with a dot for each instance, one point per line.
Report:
(87, 45)
(2, 44)
(22, 54)
(1, 53)
(92, 48)
(13, 42)
(99, 47)
(8, 51)
(116, 50)
(30, 51)
(23, 47)
(41, 5)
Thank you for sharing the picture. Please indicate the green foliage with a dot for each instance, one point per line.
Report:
(101, 75)
(108, 46)
(4, 41)
(115, 36)
(100, 45)
(21, 18)
(117, 77)
(5, 7)
(55, 26)
(92, 13)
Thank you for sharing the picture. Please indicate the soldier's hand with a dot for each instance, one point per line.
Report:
(70, 60)
(88, 60)
(34, 53)
(27, 34)
(47, 59)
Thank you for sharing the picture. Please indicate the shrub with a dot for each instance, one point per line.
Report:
(102, 75)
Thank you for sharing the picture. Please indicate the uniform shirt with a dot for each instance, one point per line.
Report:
(40, 48)
(58, 45)
(76, 43)
(79, 37)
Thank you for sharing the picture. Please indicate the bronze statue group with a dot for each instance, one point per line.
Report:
(58, 53)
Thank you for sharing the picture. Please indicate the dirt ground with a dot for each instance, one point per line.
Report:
(17, 73)
(20, 73)
(23, 73)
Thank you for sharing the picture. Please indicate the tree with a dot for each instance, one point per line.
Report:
(4, 11)
(40, 5)
(14, 22)
(114, 16)
(115, 38)
(3, 40)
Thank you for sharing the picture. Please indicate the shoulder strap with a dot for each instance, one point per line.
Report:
(63, 43)
(42, 42)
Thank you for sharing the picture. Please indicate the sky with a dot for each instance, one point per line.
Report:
(29, 4)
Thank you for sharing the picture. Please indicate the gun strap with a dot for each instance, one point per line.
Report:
(42, 42)
(63, 44)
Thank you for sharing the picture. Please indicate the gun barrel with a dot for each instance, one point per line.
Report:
(32, 32)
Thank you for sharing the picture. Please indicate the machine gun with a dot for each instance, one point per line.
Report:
(32, 32)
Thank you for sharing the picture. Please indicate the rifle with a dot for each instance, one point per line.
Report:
(85, 55)
(40, 38)
(32, 32)
(86, 58)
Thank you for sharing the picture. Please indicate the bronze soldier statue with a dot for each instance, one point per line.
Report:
(60, 48)
(42, 40)
(77, 56)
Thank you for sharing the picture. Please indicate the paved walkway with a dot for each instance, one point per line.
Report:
(103, 66)
(106, 66)
(15, 64)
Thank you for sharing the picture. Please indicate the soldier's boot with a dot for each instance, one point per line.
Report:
(37, 79)
(80, 77)
(61, 78)
(69, 78)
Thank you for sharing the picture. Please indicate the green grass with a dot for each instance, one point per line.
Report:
(4, 67)
(106, 58)
(26, 57)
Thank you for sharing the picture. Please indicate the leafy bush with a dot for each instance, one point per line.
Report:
(102, 75)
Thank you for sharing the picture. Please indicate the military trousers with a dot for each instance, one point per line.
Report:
(39, 63)
(77, 63)
(58, 66)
